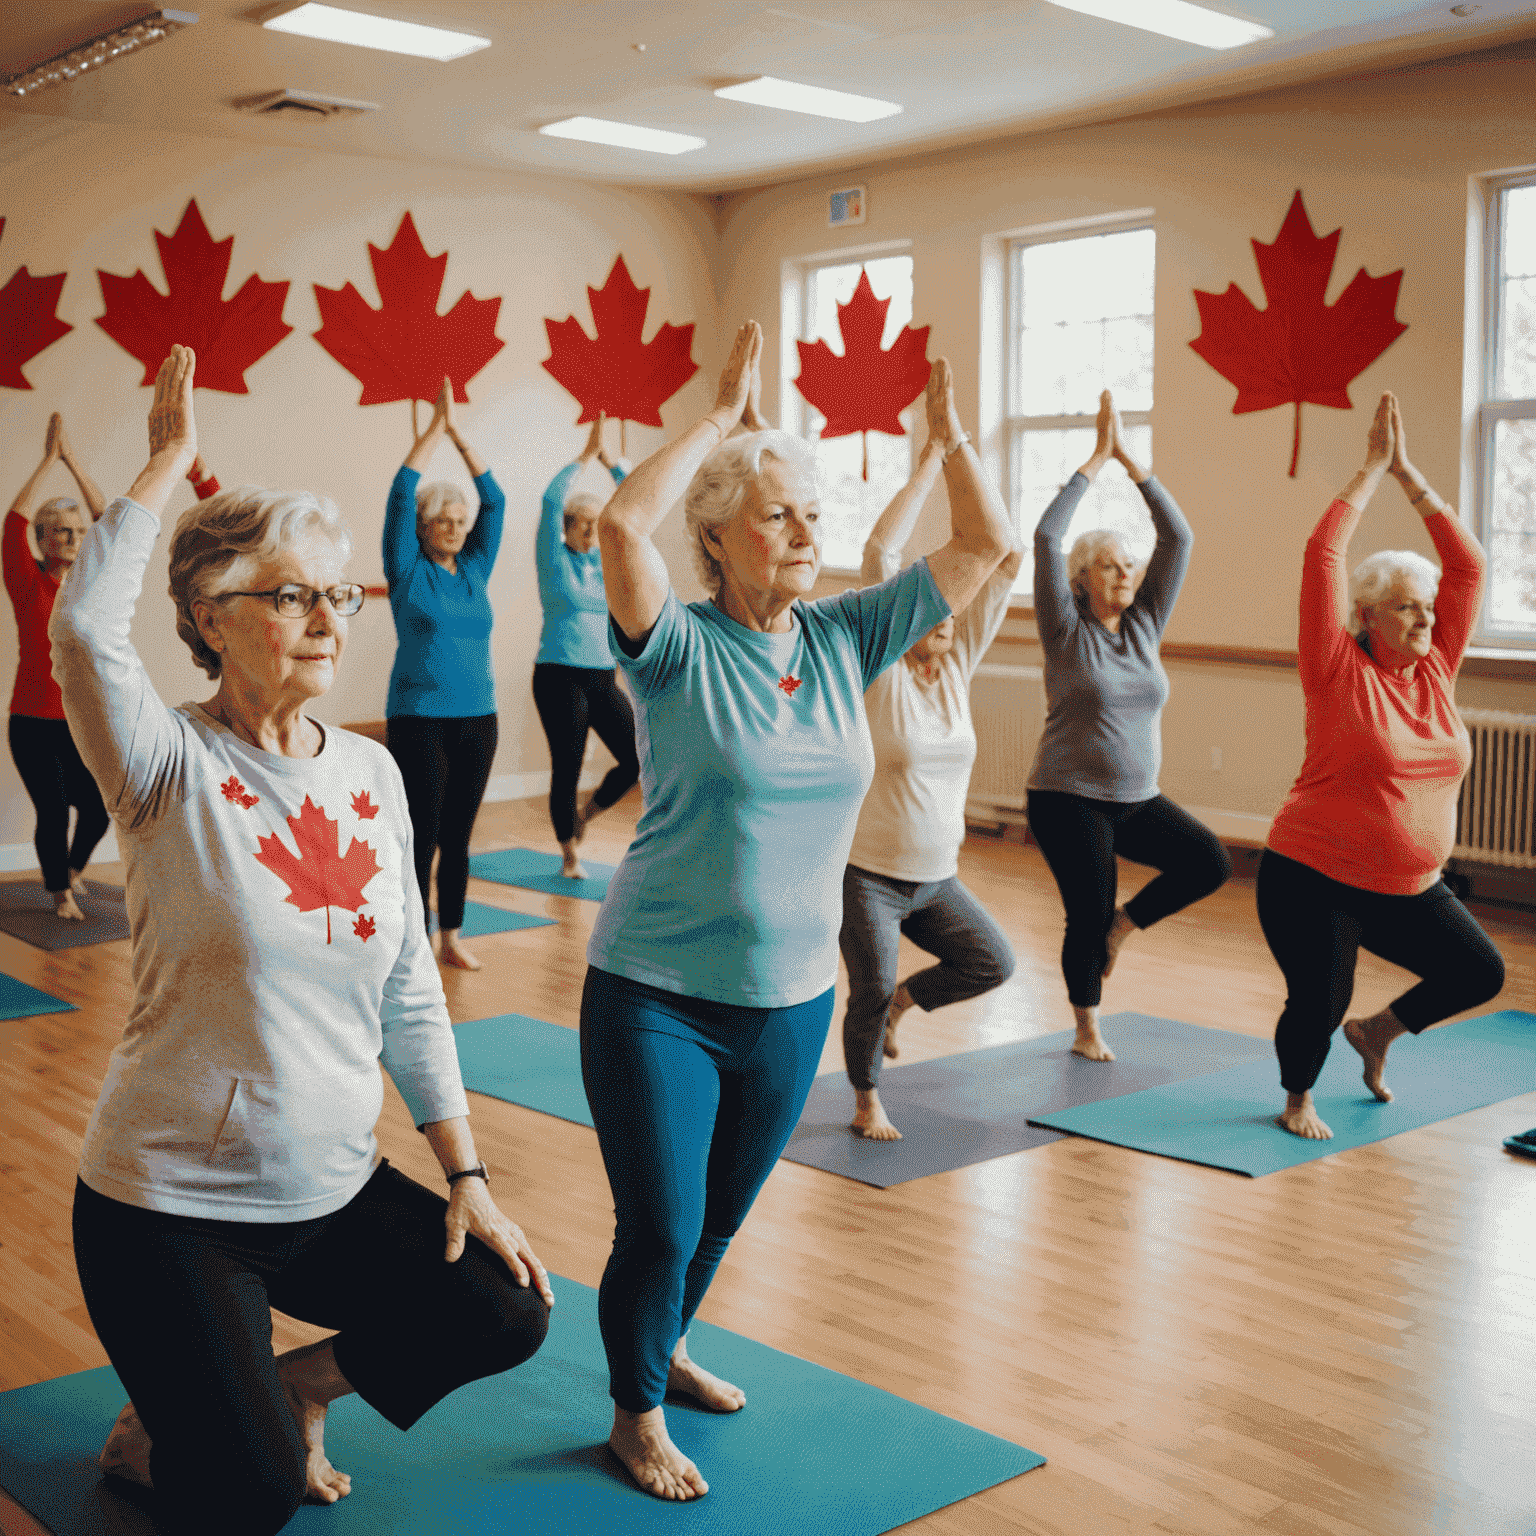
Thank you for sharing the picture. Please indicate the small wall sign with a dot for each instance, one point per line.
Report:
(846, 207)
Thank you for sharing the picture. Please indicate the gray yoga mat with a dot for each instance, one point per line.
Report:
(26, 913)
(971, 1107)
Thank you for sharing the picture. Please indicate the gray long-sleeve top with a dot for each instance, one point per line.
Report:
(1105, 692)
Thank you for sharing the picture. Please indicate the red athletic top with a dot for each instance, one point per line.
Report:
(1375, 803)
(32, 593)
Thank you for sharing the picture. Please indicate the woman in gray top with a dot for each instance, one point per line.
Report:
(1093, 789)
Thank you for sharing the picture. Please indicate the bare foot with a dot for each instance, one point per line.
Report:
(869, 1118)
(642, 1444)
(901, 1000)
(1366, 1037)
(684, 1375)
(77, 883)
(570, 863)
(126, 1453)
(1299, 1117)
(452, 952)
(306, 1383)
(587, 815)
(65, 906)
(1120, 929)
(1090, 1043)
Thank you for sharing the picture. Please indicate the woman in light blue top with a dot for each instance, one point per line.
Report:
(574, 689)
(712, 964)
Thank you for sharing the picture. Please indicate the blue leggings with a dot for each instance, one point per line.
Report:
(693, 1103)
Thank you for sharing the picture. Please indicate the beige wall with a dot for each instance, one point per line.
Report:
(79, 197)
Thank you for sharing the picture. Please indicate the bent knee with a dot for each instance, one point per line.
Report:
(1485, 978)
(1217, 866)
(523, 1327)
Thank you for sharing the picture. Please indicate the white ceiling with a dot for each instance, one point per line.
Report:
(962, 70)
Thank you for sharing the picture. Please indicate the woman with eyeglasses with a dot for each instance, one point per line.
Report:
(280, 958)
(442, 693)
(44, 752)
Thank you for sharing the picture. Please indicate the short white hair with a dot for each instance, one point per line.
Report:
(583, 504)
(48, 515)
(719, 486)
(431, 499)
(1377, 574)
(1086, 549)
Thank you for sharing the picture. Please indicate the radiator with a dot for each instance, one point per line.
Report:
(1008, 707)
(1496, 815)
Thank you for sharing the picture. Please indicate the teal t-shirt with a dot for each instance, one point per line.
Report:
(754, 759)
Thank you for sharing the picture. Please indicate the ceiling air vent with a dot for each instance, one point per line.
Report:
(293, 103)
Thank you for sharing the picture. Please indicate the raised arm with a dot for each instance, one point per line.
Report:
(888, 538)
(634, 573)
(20, 566)
(90, 492)
(30, 494)
(1166, 570)
(402, 544)
(980, 535)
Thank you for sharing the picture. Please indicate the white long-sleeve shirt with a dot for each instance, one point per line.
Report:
(279, 949)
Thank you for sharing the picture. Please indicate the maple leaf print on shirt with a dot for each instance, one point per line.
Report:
(364, 927)
(789, 684)
(237, 794)
(320, 876)
(365, 808)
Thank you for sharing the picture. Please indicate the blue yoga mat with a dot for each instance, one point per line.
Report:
(524, 1061)
(540, 872)
(480, 920)
(19, 1001)
(1228, 1120)
(813, 1451)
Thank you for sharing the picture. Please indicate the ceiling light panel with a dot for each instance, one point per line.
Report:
(333, 25)
(599, 130)
(1175, 18)
(100, 50)
(815, 100)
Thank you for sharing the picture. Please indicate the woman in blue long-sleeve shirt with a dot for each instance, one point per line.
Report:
(442, 694)
(574, 688)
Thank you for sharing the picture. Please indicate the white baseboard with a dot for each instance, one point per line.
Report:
(1233, 824)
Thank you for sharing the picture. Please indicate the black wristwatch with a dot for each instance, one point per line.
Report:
(477, 1172)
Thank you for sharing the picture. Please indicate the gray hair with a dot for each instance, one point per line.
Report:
(219, 543)
(431, 499)
(48, 515)
(1086, 549)
(583, 504)
(1375, 576)
(719, 486)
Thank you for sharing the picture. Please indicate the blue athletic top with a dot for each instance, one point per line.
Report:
(442, 620)
(575, 630)
(754, 758)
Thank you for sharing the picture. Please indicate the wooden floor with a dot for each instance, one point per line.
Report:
(1343, 1349)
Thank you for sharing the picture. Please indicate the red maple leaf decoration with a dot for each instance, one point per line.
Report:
(364, 928)
(320, 876)
(28, 323)
(228, 335)
(1299, 349)
(789, 684)
(364, 807)
(404, 349)
(236, 793)
(619, 373)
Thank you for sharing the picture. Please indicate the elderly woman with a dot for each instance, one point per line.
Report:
(1354, 855)
(574, 689)
(709, 991)
(43, 749)
(279, 958)
(902, 875)
(1093, 788)
(442, 693)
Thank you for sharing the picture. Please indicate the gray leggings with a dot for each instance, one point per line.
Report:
(941, 917)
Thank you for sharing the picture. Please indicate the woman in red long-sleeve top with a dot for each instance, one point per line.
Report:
(43, 750)
(1355, 853)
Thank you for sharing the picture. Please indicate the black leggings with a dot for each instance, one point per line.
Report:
(183, 1307)
(571, 701)
(1080, 838)
(446, 764)
(1316, 928)
(50, 767)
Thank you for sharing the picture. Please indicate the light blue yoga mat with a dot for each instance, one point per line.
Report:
(480, 920)
(813, 1452)
(1227, 1120)
(540, 872)
(524, 1061)
(19, 1001)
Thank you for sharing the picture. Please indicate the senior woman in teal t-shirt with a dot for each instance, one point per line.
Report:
(709, 989)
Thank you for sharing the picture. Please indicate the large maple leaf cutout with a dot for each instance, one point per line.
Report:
(321, 875)
(1300, 349)
(619, 373)
(404, 349)
(28, 323)
(228, 335)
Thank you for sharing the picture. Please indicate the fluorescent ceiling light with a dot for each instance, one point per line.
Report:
(1175, 18)
(333, 25)
(100, 50)
(598, 130)
(791, 96)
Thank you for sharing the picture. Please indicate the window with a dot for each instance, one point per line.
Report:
(1080, 321)
(1507, 416)
(850, 503)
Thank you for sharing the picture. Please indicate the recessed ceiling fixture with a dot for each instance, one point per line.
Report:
(333, 25)
(816, 100)
(100, 50)
(598, 130)
(1175, 18)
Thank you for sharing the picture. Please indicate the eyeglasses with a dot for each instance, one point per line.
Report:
(295, 602)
